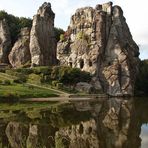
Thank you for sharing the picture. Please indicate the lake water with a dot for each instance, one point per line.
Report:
(112, 123)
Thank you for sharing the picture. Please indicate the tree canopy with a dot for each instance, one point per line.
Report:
(141, 86)
(15, 24)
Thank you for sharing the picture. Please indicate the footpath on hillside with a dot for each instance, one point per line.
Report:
(63, 96)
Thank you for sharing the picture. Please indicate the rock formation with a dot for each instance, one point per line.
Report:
(20, 53)
(99, 41)
(42, 39)
(5, 42)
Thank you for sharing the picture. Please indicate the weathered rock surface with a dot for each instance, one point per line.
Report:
(42, 39)
(20, 53)
(99, 41)
(5, 42)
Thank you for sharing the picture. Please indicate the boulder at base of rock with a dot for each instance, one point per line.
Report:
(20, 53)
(84, 87)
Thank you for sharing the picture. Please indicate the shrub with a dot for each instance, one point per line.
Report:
(6, 82)
(45, 70)
(1, 82)
(25, 71)
(17, 81)
(62, 38)
(69, 76)
(34, 78)
(59, 85)
(141, 85)
(58, 32)
(55, 73)
(80, 35)
(54, 83)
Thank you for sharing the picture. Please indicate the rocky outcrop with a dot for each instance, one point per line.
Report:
(99, 41)
(42, 39)
(5, 42)
(20, 53)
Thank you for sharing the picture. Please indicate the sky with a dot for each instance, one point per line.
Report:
(135, 13)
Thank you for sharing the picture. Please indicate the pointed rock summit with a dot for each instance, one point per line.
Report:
(99, 41)
(42, 38)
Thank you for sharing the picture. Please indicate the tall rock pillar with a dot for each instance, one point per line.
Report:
(5, 42)
(42, 38)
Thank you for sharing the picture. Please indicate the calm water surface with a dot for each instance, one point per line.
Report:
(113, 123)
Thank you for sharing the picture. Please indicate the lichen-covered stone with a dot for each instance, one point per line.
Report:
(42, 38)
(99, 41)
(20, 53)
(5, 42)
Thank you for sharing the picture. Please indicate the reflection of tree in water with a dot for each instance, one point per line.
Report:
(114, 123)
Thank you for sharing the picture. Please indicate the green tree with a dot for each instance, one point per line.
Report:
(141, 85)
(58, 32)
(15, 24)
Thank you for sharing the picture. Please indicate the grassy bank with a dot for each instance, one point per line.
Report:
(39, 82)
(17, 91)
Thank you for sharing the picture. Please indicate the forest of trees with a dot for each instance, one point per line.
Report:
(16, 23)
(141, 87)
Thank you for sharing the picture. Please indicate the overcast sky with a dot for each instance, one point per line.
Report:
(135, 12)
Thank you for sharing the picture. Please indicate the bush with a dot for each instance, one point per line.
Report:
(141, 85)
(69, 76)
(34, 78)
(54, 83)
(80, 35)
(6, 82)
(62, 38)
(45, 70)
(59, 85)
(55, 73)
(17, 81)
(58, 32)
(25, 71)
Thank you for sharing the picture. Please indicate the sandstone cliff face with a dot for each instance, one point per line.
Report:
(20, 53)
(42, 39)
(5, 42)
(99, 41)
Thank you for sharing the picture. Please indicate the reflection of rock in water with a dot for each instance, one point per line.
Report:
(16, 134)
(108, 129)
(114, 123)
(83, 135)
